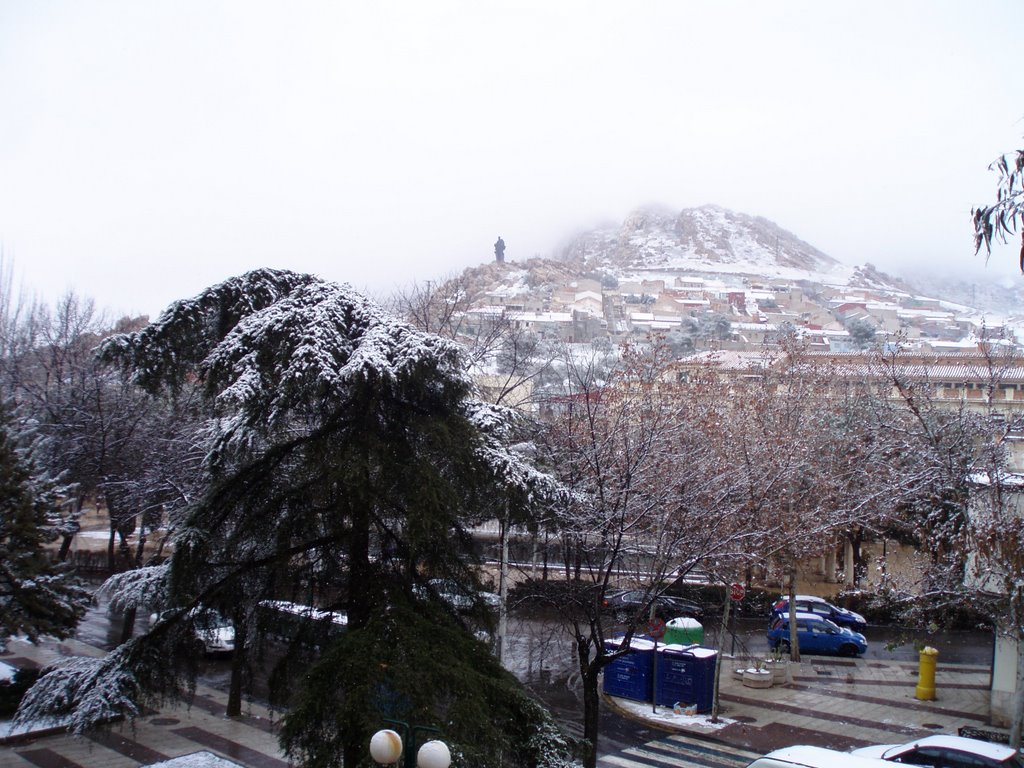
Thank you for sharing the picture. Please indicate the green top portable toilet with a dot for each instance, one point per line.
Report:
(684, 631)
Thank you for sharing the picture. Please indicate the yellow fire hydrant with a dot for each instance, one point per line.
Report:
(926, 674)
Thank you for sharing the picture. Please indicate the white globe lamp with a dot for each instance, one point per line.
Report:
(386, 747)
(434, 754)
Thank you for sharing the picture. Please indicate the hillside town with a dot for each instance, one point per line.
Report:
(718, 314)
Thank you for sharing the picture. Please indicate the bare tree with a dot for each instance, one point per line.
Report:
(961, 493)
(649, 504)
(794, 442)
(505, 357)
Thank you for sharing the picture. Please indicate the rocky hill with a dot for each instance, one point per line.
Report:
(730, 252)
(709, 241)
(704, 240)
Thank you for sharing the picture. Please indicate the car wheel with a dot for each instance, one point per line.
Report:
(784, 646)
(848, 649)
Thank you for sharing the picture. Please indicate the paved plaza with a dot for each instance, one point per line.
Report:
(837, 703)
(832, 702)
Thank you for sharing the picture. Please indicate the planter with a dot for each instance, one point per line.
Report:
(757, 678)
(779, 672)
(737, 674)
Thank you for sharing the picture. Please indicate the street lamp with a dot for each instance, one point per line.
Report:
(386, 748)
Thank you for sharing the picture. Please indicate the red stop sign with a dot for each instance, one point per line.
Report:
(736, 592)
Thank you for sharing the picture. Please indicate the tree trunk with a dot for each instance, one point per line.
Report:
(65, 547)
(503, 596)
(65, 544)
(721, 653)
(857, 555)
(110, 547)
(238, 662)
(794, 638)
(359, 567)
(141, 548)
(591, 714)
(128, 627)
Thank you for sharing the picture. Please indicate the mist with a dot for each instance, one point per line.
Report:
(148, 150)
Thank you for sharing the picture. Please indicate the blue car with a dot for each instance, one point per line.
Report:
(816, 635)
(822, 608)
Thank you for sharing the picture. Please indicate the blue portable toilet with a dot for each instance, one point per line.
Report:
(686, 674)
(631, 675)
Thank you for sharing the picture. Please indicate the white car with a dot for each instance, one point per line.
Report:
(214, 632)
(941, 751)
(804, 756)
(455, 596)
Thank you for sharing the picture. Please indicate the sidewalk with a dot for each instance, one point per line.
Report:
(155, 737)
(832, 702)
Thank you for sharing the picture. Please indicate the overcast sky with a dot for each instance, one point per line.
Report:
(149, 149)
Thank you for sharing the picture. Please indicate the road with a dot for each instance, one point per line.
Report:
(676, 751)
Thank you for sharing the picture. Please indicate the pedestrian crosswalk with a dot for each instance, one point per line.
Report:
(678, 751)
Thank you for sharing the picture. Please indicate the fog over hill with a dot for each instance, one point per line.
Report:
(708, 238)
(1001, 296)
(710, 241)
(735, 251)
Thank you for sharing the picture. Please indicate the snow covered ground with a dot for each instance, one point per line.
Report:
(195, 760)
(39, 727)
(642, 711)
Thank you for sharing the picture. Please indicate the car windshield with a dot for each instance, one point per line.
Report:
(209, 620)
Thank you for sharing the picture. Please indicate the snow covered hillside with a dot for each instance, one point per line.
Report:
(654, 243)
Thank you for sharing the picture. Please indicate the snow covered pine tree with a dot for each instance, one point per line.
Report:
(37, 596)
(346, 459)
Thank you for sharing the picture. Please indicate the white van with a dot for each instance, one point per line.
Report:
(815, 757)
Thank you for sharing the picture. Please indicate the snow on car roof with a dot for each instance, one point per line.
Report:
(819, 757)
(804, 615)
(811, 598)
(974, 746)
(306, 611)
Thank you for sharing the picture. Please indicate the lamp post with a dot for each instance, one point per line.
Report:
(387, 748)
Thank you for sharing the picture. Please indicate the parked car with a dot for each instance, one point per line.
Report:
(637, 602)
(14, 681)
(285, 620)
(456, 596)
(821, 607)
(214, 633)
(942, 751)
(801, 756)
(816, 635)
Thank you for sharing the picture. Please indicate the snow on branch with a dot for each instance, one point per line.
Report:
(294, 346)
(88, 691)
(139, 588)
(169, 349)
(496, 425)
